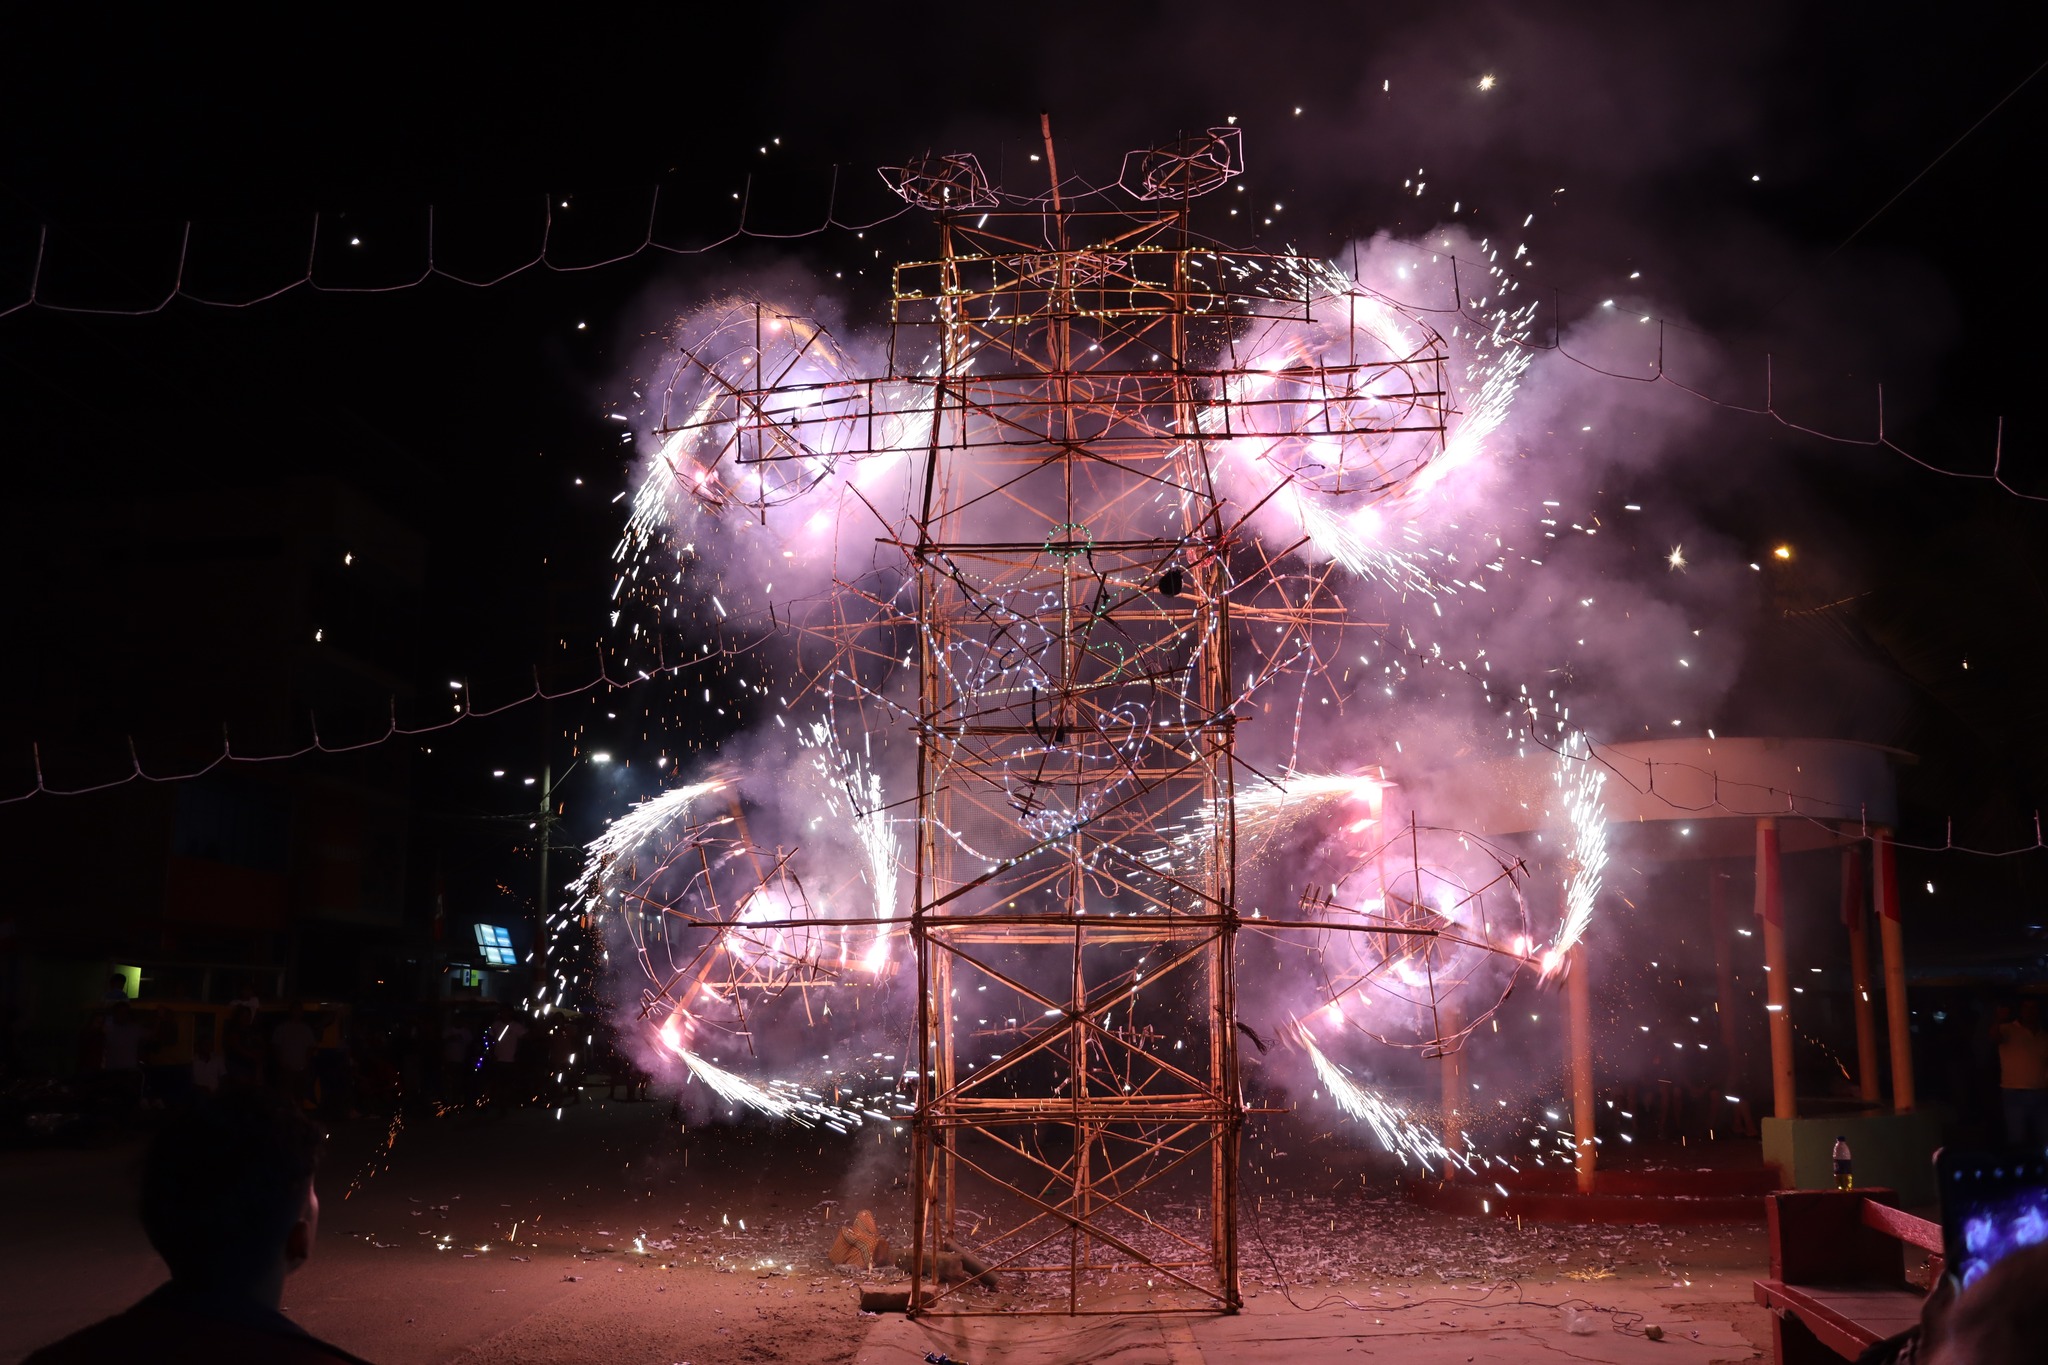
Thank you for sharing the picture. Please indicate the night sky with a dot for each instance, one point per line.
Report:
(1718, 165)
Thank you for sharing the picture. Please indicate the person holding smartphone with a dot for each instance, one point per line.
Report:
(2002, 1319)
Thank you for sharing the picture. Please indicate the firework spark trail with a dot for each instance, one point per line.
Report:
(638, 825)
(1349, 541)
(642, 823)
(877, 835)
(1397, 1132)
(872, 828)
(1586, 820)
(1494, 374)
(1263, 813)
(1358, 536)
(744, 378)
(1329, 483)
(777, 1099)
(1267, 810)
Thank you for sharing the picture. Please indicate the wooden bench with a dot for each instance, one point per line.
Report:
(1838, 1278)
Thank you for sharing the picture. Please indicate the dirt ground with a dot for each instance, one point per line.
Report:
(611, 1236)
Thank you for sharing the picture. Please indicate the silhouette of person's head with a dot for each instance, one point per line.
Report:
(227, 1195)
(2002, 1319)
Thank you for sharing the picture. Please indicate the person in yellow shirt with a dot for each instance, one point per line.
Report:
(2023, 1074)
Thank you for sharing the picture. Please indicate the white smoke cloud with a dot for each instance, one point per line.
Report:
(1495, 586)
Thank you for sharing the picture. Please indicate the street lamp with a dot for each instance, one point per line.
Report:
(546, 826)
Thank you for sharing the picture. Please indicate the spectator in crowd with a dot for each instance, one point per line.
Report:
(228, 1202)
(415, 1061)
(291, 1047)
(122, 1035)
(334, 1066)
(2001, 1319)
(372, 1083)
(242, 1045)
(458, 1060)
(505, 1035)
(166, 1060)
(625, 1074)
(2023, 1074)
(209, 1068)
(250, 999)
(10, 1020)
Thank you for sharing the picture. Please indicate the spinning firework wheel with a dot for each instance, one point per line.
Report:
(1428, 948)
(718, 926)
(1345, 402)
(757, 407)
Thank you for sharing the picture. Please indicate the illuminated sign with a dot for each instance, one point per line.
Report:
(494, 941)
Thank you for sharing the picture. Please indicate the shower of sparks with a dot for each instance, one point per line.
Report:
(1301, 427)
(1263, 813)
(1352, 542)
(861, 787)
(1494, 367)
(1397, 1132)
(1338, 459)
(637, 826)
(777, 1099)
(1586, 821)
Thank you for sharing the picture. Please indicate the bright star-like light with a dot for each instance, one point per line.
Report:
(1486, 82)
(1676, 559)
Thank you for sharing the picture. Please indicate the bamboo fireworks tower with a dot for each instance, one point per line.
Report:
(1089, 618)
(1075, 846)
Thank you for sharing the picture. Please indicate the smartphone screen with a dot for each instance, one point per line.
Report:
(1992, 1204)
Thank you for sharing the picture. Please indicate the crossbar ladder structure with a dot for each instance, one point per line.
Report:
(1075, 608)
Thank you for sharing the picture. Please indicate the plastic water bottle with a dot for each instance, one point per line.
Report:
(1845, 1175)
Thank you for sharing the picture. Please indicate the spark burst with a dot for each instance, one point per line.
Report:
(642, 823)
(1397, 1131)
(777, 1099)
(1586, 820)
(1266, 812)
(861, 787)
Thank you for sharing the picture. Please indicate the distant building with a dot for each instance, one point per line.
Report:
(267, 612)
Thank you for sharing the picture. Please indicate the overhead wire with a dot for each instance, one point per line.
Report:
(2004, 100)
(541, 260)
(393, 730)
